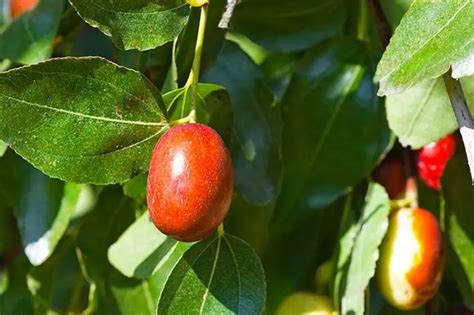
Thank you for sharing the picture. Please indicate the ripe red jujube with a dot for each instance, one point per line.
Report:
(432, 160)
(411, 259)
(18, 7)
(190, 182)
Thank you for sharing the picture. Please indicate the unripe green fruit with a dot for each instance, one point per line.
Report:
(306, 303)
(190, 182)
(411, 259)
(18, 7)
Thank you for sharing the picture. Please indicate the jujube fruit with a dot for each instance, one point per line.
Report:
(411, 258)
(390, 173)
(18, 7)
(432, 159)
(190, 182)
(305, 303)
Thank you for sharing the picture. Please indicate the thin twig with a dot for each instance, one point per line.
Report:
(227, 16)
(463, 116)
(383, 27)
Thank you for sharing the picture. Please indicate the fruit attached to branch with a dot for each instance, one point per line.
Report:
(190, 182)
(411, 259)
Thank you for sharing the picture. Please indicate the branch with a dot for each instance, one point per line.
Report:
(383, 28)
(463, 116)
(229, 11)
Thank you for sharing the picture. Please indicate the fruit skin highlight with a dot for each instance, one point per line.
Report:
(190, 183)
(432, 159)
(411, 259)
(18, 7)
(306, 303)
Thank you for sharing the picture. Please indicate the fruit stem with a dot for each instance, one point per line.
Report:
(411, 189)
(463, 116)
(191, 118)
(193, 78)
(220, 230)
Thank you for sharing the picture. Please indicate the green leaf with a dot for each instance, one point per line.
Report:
(46, 207)
(394, 10)
(221, 275)
(3, 148)
(211, 103)
(136, 187)
(370, 231)
(98, 125)
(411, 114)
(459, 222)
(428, 41)
(334, 132)
(257, 127)
(143, 260)
(288, 25)
(138, 24)
(17, 299)
(29, 38)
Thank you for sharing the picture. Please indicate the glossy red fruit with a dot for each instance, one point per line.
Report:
(432, 160)
(411, 259)
(190, 182)
(18, 7)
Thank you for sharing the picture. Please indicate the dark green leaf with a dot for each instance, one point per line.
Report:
(138, 24)
(411, 114)
(17, 299)
(29, 38)
(459, 222)
(394, 10)
(221, 275)
(335, 128)
(370, 231)
(257, 126)
(288, 25)
(136, 187)
(428, 41)
(98, 124)
(154, 249)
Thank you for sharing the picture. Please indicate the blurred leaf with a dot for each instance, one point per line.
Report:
(394, 10)
(46, 207)
(136, 187)
(370, 231)
(99, 124)
(426, 43)
(257, 126)
(3, 148)
(153, 252)
(29, 38)
(138, 24)
(334, 132)
(17, 299)
(288, 25)
(4, 12)
(220, 275)
(411, 114)
(459, 221)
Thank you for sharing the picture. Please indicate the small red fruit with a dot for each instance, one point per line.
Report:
(411, 258)
(190, 182)
(432, 160)
(391, 175)
(18, 7)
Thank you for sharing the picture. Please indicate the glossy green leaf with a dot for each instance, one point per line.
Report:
(428, 41)
(411, 114)
(257, 126)
(221, 275)
(153, 252)
(370, 231)
(29, 38)
(3, 148)
(138, 24)
(335, 128)
(46, 207)
(98, 124)
(288, 25)
(459, 222)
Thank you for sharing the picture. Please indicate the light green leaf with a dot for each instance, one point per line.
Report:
(371, 229)
(98, 124)
(143, 259)
(29, 38)
(221, 275)
(138, 24)
(411, 114)
(3, 148)
(426, 43)
(459, 221)
(46, 207)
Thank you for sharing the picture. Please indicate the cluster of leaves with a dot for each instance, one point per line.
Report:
(290, 87)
